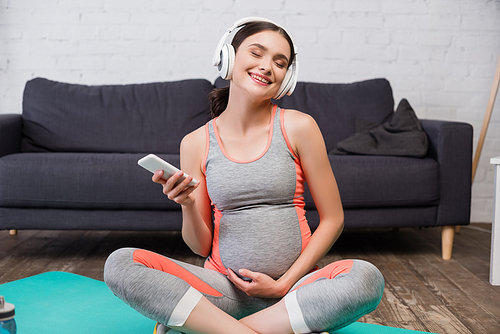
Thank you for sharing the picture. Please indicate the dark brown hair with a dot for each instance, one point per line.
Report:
(219, 97)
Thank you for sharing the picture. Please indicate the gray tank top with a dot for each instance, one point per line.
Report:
(258, 205)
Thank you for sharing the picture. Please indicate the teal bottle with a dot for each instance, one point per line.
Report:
(7, 322)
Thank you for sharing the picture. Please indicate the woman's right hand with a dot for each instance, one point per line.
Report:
(180, 193)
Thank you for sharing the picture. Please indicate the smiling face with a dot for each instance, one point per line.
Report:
(261, 63)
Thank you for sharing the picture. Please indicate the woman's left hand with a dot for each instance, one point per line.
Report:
(261, 285)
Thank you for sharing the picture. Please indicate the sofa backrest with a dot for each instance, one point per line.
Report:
(335, 107)
(138, 118)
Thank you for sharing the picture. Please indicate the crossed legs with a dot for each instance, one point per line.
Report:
(191, 299)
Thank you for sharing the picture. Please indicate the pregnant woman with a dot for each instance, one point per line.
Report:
(252, 161)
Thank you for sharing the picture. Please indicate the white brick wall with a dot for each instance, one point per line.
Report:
(439, 54)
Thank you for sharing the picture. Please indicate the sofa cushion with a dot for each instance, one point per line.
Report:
(335, 107)
(136, 118)
(401, 136)
(384, 181)
(80, 181)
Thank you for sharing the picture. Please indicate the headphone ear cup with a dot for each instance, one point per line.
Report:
(286, 84)
(226, 64)
(232, 56)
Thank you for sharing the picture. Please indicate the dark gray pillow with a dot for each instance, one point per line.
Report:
(135, 118)
(401, 136)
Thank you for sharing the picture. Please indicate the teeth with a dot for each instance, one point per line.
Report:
(261, 79)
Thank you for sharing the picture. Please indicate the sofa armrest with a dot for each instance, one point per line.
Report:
(450, 143)
(10, 133)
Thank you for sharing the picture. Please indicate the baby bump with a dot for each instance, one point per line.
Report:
(264, 239)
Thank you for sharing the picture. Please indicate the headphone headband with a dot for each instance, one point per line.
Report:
(224, 57)
(237, 24)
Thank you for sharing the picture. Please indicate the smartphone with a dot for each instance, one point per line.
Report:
(246, 279)
(154, 163)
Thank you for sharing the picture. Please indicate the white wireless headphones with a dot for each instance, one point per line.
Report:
(224, 58)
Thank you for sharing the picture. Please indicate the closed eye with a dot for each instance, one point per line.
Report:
(280, 60)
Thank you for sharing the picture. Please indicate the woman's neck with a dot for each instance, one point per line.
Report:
(244, 113)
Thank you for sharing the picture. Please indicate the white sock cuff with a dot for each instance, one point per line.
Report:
(295, 314)
(184, 308)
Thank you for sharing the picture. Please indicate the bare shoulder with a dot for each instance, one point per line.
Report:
(298, 123)
(193, 148)
(194, 139)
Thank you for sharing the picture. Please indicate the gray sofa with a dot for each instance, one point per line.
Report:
(69, 161)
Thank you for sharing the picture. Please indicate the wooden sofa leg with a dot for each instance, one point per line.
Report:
(13, 232)
(447, 235)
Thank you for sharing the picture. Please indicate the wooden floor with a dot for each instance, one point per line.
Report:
(422, 291)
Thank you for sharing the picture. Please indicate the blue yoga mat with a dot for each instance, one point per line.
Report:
(59, 302)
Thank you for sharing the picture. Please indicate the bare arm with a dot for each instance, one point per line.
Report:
(197, 228)
(196, 209)
(307, 140)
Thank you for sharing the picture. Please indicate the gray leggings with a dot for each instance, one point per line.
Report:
(162, 289)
